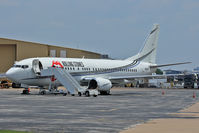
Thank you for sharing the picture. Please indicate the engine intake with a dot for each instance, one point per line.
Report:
(92, 84)
(103, 85)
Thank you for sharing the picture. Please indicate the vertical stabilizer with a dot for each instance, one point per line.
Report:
(148, 52)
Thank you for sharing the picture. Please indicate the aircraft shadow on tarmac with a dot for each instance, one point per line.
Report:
(113, 94)
(127, 94)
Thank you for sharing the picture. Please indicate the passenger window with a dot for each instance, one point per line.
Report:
(24, 66)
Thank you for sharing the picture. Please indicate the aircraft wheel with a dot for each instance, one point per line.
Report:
(104, 92)
(25, 91)
(108, 92)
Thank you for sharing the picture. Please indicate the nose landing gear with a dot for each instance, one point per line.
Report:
(26, 91)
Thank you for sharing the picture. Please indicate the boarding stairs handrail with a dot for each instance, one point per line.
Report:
(66, 79)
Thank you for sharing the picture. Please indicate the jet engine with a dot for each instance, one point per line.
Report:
(103, 85)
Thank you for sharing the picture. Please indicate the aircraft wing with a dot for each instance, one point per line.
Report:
(122, 78)
(143, 76)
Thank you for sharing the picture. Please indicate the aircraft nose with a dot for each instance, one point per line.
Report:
(11, 74)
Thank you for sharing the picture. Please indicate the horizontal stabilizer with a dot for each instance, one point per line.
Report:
(164, 65)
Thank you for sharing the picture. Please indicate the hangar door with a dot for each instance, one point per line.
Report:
(7, 57)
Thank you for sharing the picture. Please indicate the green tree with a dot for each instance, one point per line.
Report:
(159, 71)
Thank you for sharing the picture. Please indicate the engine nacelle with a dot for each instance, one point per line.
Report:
(103, 85)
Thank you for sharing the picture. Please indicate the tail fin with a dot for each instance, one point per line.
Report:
(148, 52)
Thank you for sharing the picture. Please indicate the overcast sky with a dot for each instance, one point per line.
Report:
(114, 27)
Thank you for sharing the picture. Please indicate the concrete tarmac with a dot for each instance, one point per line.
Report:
(113, 113)
(186, 122)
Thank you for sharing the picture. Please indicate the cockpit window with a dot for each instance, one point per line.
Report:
(21, 66)
(17, 66)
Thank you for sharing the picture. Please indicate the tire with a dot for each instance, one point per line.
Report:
(102, 93)
(13, 85)
(87, 94)
(80, 94)
(25, 92)
(42, 92)
(108, 93)
(131, 86)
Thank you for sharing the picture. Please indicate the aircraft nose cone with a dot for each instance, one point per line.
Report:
(11, 74)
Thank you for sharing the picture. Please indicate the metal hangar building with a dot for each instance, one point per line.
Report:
(15, 50)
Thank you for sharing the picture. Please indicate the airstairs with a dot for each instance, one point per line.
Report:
(65, 79)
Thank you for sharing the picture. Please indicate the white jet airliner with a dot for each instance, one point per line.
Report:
(97, 73)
